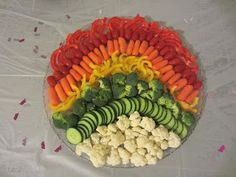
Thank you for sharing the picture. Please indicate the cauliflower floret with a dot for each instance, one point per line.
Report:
(161, 132)
(174, 140)
(112, 128)
(95, 137)
(164, 145)
(123, 122)
(114, 157)
(138, 160)
(129, 134)
(148, 124)
(117, 139)
(151, 137)
(105, 140)
(134, 115)
(151, 160)
(88, 142)
(142, 151)
(141, 141)
(160, 153)
(149, 145)
(135, 122)
(137, 129)
(143, 132)
(124, 155)
(99, 154)
(85, 148)
(130, 145)
(102, 130)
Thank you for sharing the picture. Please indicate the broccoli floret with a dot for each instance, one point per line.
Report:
(88, 93)
(175, 110)
(118, 78)
(151, 95)
(166, 100)
(63, 121)
(155, 85)
(132, 79)
(118, 91)
(79, 107)
(187, 118)
(104, 83)
(142, 86)
(131, 91)
(102, 97)
(90, 106)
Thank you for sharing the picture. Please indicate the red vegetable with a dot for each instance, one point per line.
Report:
(150, 35)
(58, 75)
(197, 85)
(128, 34)
(179, 68)
(51, 81)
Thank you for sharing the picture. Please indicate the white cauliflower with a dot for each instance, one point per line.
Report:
(88, 142)
(129, 134)
(137, 129)
(174, 140)
(143, 132)
(130, 145)
(164, 145)
(135, 122)
(124, 155)
(138, 160)
(95, 137)
(114, 157)
(142, 151)
(154, 151)
(141, 141)
(117, 139)
(83, 148)
(105, 139)
(112, 128)
(160, 153)
(161, 132)
(134, 115)
(102, 130)
(148, 124)
(151, 160)
(151, 137)
(99, 154)
(123, 122)
(149, 145)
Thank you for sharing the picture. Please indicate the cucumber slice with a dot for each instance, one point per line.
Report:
(137, 104)
(171, 123)
(116, 107)
(93, 117)
(163, 115)
(74, 136)
(179, 128)
(184, 132)
(155, 111)
(88, 126)
(142, 104)
(126, 104)
(167, 118)
(113, 114)
(84, 129)
(94, 126)
(107, 114)
(149, 109)
(98, 116)
(133, 107)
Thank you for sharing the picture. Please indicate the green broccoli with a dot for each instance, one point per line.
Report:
(118, 78)
(104, 83)
(102, 97)
(118, 91)
(131, 91)
(187, 118)
(88, 93)
(63, 121)
(142, 86)
(155, 85)
(79, 107)
(90, 106)
(166, 100)
(132, 79)
(176, 110)
(151, 95)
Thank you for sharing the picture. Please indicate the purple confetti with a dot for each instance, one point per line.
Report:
(42, 145)
(43, 56)
(23, 102)
(21, 40)
(222, 148)
(24, 141)
(35, 29)
(58, 149)
(67, 16)
(16, 116)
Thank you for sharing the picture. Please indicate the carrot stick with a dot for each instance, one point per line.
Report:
(98, 53)
(165, 69)
(60, 92)
(191, 97)
(65, 85)
(164, 78)
(153, 55)
(75, 75)
(143, 47)
(130, 47)
(116, 46)
(173, 79)
(87, 60)
(53, 96)
(159, 65)
(80, 70)
(136, 47)
(148, 51)
(157, 60)
(70, 79)
(180, 83)
(104, 52)
(86, 67)
(122, 44)
(95, 58)
(110, 47)
(185, 92)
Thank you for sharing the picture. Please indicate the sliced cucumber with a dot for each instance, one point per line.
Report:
(113, 114)
(155, 110)
(184, 132)
(179, 128)
(163, 115)
(171, 124)
(126, 104)
(94, 126)
(149, 109)
(137, 104)
(167, 118)
(142, 104)
(74, 136)
(93, 117)
(88, 126)
(133, 107)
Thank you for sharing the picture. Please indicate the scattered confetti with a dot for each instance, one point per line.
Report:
(42, 145)
(68, 17)
(186, 21)
(9, 39)
(35, 29)
(41, 23)
(222, 148)
(234, 92)
(61, 43)
(43, 56)
(58, 149)
(37, 34)
(16, 116)
(21, 40)
(23, 102)
(24, 141)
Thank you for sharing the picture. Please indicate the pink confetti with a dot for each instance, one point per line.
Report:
(42, 145)
(234, 92)
(68, 17)
(16, 116)
(23, 102)
(35, 29)
(43, 56)
(58, 149)
(21, 40)
(24, 141)
(222, 148)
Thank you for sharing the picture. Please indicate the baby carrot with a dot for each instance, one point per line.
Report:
(61, 94)
(153, 55)
(143, 47)
(136, 47)
(165, 69)
(80, 70)
(70, 79)
(157, 60)
(98, 53)
(130, 47)
(185, 92)
(96, 59)
(104, 52)
(116, 46)
(191, 97)
(174, 78)
(159, 65)
(75, 75)
(54, 100)
(110, 47)
(122, 44)
(87, 60)
(65, 85)
(86, 67)
(164, 78)
(181, 83)
(148, 51)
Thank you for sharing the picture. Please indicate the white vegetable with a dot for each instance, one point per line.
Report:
(102, 130)
(161, 132)
(149, 145)
(151, 160)
(148, 124)
(105, 139)
(144, 132)
(134, 116)
(95, 137)
(123, 122)
(130, 145)
(129, 134)
(83, 148)
(164, 145)
(174, 140)
(99, 154)
(124, 155)
(137, 129)
(135, 122)
(88, 142)
(142, 151)
(138, 160)
(114, 157)
(117, 139)
(141, 141)
(160, 154)
(112, 127)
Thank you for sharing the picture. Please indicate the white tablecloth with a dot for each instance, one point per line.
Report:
(208, 25)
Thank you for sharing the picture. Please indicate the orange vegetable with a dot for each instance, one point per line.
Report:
(166, 69)
(143, 47)
(164, 78)
(80, 70)
(70, 79)
(173, 79)
(65, 85)
(130, 47)
(153, 55)
(96, 59)
(116, 46)
(87, 60)
(104, 52)
(185, 92)
(60, 92)
(122, 44)
(110, 47)
(53, 98)
(157, 60)
(98, 53)
(136, 47)
(148, 51)
(192, 96)
(75, 75)
(159, 65)
(86, 67)
(181, 83)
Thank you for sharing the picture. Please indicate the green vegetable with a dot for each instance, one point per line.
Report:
(105, 83)
(79, 107)
(176, 109)
(132, 79)
(118, 78)
(187, 118)
(90, 106)
(118, 91)
(155, 85)
(131, 91)
(88, 93)
(102, 97)
(142, 86)
(63, 121)
(151, 95)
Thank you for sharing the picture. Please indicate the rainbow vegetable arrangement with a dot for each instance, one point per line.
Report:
(120, 66)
